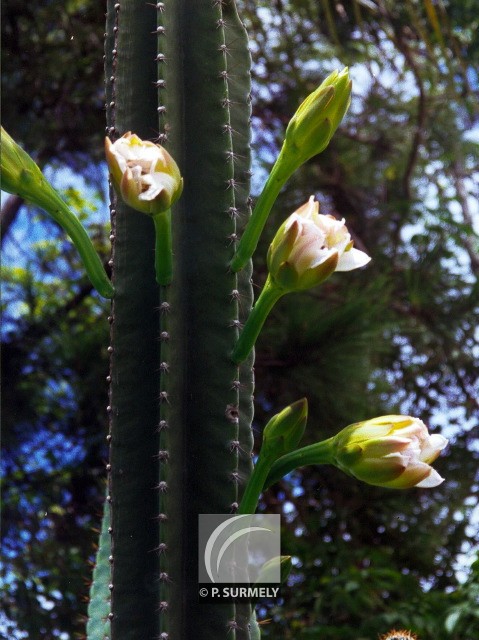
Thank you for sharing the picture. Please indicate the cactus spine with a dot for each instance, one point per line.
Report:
(180, 410)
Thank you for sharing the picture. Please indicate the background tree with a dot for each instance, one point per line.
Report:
(54, 337)
(401, 171)
(52, 86)
(406, 187)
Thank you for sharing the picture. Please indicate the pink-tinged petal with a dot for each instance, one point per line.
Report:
(390, 451)
(352, 259)
(411, 476)
(431, 480)
(309, 209)
(385, 446)
(417, 430)
(308, 249)
(433, 447)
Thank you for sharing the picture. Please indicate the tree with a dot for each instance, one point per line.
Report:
(54, 343)
(391, 171)
(52, 68)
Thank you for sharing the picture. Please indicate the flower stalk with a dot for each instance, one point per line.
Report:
(251, 235)
(317, 453)
(268, 297)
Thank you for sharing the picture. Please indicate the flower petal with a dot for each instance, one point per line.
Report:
(412, 475)
(384, 446)
(431, 480)
(159, 182)
(352, 259)
(432, 447)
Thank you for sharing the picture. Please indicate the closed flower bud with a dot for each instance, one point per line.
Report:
(319, 115)
(269, 571)
(143, 173)
(309, 247)
(19, 173)
(390, 451)
(284, 431)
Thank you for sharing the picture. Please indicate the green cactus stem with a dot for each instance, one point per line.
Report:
(134, 347)
(98, 625)
(180, 409)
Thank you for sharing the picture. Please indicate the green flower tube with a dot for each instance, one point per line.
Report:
(22, 176)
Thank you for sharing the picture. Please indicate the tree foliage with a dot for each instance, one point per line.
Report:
(54, 357)
(52, 80)
(400, 336)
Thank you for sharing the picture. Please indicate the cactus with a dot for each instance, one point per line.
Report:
(98, 625)
(180, 409)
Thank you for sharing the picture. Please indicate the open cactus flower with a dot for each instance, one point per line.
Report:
(143, 173)
(309, 247)
(148, 179)
(390, 451)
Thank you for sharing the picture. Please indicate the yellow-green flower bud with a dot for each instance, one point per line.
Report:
(143, 173)
(317, 118)
(268, 570)
(309, 247)
(20, 174)
(284, 431)
(390, 451)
